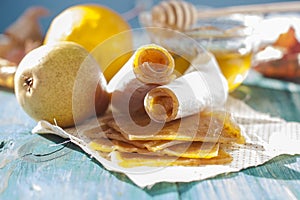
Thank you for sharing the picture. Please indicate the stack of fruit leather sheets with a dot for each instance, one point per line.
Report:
(196, 140)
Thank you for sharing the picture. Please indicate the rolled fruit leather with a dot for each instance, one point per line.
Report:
(202, 87)
(150, 66)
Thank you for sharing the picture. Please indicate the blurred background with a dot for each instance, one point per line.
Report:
(10, 10)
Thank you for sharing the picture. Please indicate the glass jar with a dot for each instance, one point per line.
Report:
(231, 41)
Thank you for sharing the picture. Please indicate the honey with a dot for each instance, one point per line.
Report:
(234, 66)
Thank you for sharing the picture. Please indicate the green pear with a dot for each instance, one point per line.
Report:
(60, 83)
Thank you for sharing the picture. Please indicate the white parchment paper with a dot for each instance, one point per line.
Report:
(266, 137)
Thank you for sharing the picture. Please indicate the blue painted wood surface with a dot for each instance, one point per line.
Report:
(44, 167)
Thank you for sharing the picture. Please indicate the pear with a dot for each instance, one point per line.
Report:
(60, 83)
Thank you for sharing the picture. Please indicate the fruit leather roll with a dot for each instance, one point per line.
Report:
(150, 66)
(202, 87)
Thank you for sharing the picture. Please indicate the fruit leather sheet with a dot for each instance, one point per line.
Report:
(266, 138)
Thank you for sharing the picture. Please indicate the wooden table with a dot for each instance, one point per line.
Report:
(43, 167)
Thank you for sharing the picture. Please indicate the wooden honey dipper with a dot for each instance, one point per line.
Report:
(174, 14)
(181, 15)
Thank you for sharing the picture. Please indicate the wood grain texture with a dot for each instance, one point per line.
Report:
(48, 167)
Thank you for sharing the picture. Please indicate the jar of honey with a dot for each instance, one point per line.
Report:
(231, 41)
